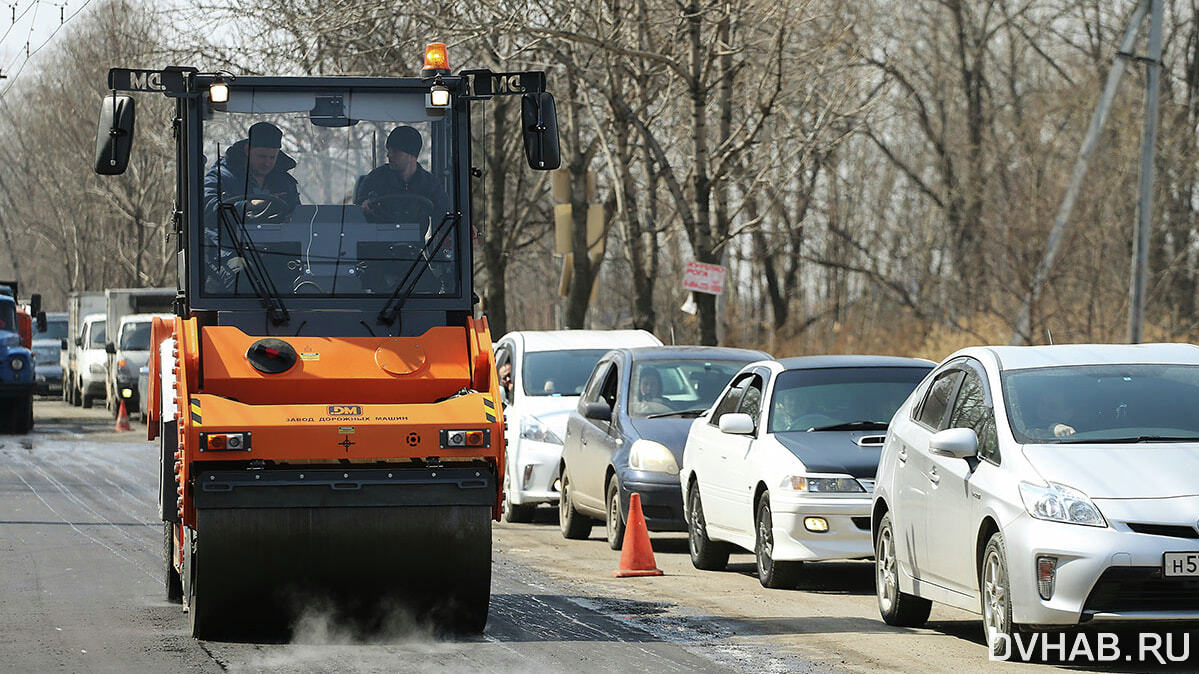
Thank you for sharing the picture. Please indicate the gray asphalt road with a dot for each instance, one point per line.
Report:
(81, 588)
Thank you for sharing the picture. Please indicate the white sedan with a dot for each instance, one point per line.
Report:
(1044, 486)
(783, 464)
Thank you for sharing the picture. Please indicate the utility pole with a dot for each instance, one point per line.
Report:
(1140, 247)
(1021, 334)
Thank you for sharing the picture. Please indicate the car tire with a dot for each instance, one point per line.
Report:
(771, 573)
(86, 401)
(515, 513)
(706, 554)
(995, 593)
(896, 608)
(574, 525)
(614, 523)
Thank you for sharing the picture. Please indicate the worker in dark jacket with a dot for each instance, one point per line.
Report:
(253, 177)
(379, 192)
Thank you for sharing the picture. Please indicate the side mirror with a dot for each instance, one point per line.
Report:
(736, 423)
(955, 443)
(41, 321)
(79, 342)
(35, 306)
(110, 348)
(539, 123)
(114, 135)
(64, 344)
(600, 411)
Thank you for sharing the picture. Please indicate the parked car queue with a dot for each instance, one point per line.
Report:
(1039, 487)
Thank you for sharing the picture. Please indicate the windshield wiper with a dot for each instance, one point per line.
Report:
(255, 270)
(678, 413)
(1124, 441)
(395, 303)
(854, 426)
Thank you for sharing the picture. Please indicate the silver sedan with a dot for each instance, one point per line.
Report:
(1044, 486)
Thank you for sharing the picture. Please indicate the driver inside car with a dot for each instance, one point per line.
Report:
(401, 187)
(253, 178)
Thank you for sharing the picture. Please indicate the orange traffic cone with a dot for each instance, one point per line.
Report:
(636, 554)
(123, 418)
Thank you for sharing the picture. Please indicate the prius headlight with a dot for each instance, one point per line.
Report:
(823, 484)
(652, 457)
(1059, 503)
(532, 428)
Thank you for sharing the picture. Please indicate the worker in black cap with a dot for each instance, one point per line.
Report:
(253, 177)
(383, 193)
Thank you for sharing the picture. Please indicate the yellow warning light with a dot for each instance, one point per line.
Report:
(436, 57)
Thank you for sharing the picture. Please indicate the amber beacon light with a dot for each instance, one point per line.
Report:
(436, 57)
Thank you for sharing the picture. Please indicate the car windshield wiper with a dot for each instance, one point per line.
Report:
(854, 426)
(395, 303)
(255, 270)
(1132, 440)
(678, 413)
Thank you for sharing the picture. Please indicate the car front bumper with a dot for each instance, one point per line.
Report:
(1104, 575)
(848, 535)
(661, 501)
(534, 475)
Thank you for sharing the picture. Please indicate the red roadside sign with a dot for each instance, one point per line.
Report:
(701, 277)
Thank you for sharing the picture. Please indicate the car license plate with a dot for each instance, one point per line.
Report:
(1180, 564)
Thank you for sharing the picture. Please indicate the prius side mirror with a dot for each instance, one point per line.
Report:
(736, 423)
(539, 124)
(955, 443)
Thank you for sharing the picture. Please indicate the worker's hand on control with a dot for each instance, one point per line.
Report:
(236, 264)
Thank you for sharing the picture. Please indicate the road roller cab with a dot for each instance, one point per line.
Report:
(325, 398)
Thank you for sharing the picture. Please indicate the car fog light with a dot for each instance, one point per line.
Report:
(126, 393)
(817, 525)
(1046, 574)
(528, 475)
(557, 484)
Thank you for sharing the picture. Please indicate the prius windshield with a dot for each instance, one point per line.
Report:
(1103, 403)
(329, 192)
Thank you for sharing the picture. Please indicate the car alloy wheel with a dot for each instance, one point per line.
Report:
(996, 597)
(895, 607)
(615, 522)
(572, 523)
(771, 572)
(705, 553)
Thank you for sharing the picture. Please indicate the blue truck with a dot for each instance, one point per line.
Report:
(16, 360)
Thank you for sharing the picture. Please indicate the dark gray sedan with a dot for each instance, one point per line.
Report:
(628, 432)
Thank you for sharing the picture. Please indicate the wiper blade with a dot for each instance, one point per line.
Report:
(404, 289)
(256, 274)
(854, 426)
(1132, 440)
(678, 413)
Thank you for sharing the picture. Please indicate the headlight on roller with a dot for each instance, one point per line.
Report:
(652, 457)
(532, 428)
(1059, 503)
(823, 484)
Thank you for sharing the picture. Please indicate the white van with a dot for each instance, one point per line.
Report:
(549, 370)
(91, 359)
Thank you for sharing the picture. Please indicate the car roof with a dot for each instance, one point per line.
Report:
(707, 352)
(1025, 357)
(815, 362)
(558, 340)
(143, 318)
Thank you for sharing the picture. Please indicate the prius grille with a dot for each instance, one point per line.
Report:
(1175, 530)
(1141, 588)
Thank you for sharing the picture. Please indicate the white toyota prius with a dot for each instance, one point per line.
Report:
(1048, 486)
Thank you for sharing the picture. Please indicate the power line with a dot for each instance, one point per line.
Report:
(64, 20)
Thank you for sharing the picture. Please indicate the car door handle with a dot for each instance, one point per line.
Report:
(933, 476)
(902, 454)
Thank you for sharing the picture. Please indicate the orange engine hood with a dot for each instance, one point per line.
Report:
(339, 369)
